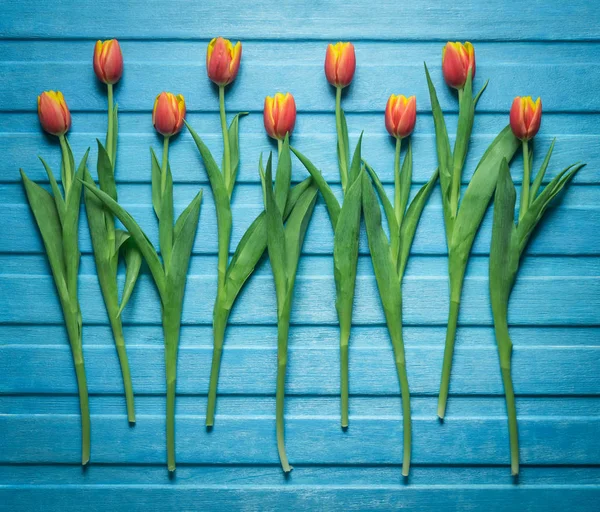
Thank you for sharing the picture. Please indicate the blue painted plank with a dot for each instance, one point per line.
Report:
(496, 20)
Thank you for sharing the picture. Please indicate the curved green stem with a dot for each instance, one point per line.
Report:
(117, 328)
(282, 340)
(226, 149)
(340, 138)
(448, 355)
(406, 420)
(526, 181)
(109, 132)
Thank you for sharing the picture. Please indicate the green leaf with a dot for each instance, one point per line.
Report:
(71, 159)
(121, 237)
(345, 253)
(539, 206)
(295, 231)
(46, 216)
(356, 162)
(276, 241)
(463, 131)
(504, 256)
(58, 198)
(252, 246)
(176, 273)
(234, 150)
(388, 209)
(165, 220)
(479, 192)
(405, 184)
(106, 177)
(541, 173)
(384, 267)
(220, 194)
(345, 139)
(283, 176)
(443, 153)
(476, 100)
(96, 221)
(411, 221)
(331, 202)
(133, 262)
(140, 238)
(156, 192)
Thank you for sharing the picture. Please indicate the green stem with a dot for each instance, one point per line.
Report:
(219, 325)
(226, 149)
(340, 138)
(171, 327)
(68, 178)
(109, 132)
(283, 326)
(163, 167)
(406, 420)
(526, 181)
(279, 146)
(83, 407)
(344, 380)
(512, 420)
(117, 328)
(448, 354)
(456, 172)
(397, 185)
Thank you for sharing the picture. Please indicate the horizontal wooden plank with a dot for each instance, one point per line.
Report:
(380, 71)
(309, 440)
(540, 300)
(242, 476)
(494, 20)
(133, 163)
(576, 207)
(493, 499)
(537, 369)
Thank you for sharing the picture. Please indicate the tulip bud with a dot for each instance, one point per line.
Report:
(223, 60)
(108, 61)
(457, 59)
(280, 115)
(53, 113)
(400, 115)
(340, 64)
(525, 117)
(168, 113)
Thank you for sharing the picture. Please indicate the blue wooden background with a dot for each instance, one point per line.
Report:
(549, 48)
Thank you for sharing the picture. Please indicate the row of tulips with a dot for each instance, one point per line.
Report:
(281, 227)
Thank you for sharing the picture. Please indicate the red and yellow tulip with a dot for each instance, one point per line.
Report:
(108, 61)
(168, 113)
(223, 60)
(340, 64)
(525, 117)
(279, 115)
(400, 115)
(53, 113)
(457, 60)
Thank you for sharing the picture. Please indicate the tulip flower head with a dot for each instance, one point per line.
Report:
(525, 117)
(280, 115)
(223, 60)
(53, 113)
(340, 64)
(400, 115)
(168, 113)
(108, 61)
(457, 59)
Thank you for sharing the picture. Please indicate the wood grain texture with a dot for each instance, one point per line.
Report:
(543, 47)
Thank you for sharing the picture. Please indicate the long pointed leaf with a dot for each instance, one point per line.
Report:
(95, 213)
(541, 173)
(133, 262)
(333, 206)
(356, 162)
(165, 219)
(234, 150)
(405, 183)
(283, 176)
(106, 177)
(156, 192)
(58, 198)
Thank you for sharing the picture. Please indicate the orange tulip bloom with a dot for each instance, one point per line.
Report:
(280, 115)
(53, 113)
(400, 115)
(168, 113)
(223, 60)
(525, 117)
(108, 61)
(457, 59)
(340, 64)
